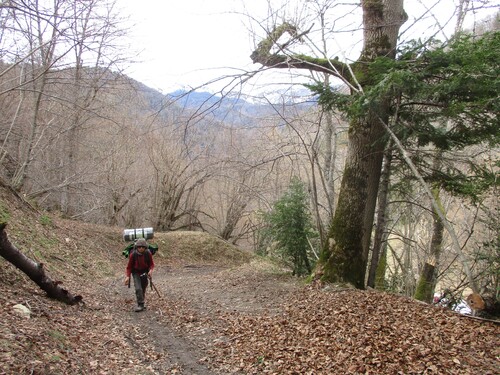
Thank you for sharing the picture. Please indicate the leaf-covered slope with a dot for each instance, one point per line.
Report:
(359, 332)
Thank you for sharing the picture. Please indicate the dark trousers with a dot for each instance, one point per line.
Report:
(140, 285)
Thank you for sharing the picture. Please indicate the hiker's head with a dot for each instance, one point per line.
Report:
(141, 244)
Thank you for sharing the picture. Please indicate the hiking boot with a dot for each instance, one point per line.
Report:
(139, 308)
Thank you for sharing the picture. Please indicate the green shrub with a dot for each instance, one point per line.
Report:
(288, 228)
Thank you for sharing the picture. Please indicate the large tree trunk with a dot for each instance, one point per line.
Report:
(345, 257)
(34, 271)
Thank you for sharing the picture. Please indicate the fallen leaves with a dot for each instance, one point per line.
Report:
(358, 332)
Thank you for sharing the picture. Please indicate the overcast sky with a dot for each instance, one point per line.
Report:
(187, 43)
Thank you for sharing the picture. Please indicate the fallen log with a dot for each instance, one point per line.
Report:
(34, 271)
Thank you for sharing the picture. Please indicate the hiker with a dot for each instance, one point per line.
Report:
(140, 265)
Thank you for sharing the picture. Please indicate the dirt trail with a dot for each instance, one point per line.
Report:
(180, 327)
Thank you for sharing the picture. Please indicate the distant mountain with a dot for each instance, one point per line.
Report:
(232, 108)
(228, 109)
(195, 99)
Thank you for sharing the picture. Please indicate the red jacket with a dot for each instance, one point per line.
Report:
(138, 263)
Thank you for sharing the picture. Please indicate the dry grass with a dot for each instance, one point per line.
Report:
(180, 248)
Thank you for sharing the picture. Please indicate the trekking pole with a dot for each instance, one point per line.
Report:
(129, 282)
(153, 286)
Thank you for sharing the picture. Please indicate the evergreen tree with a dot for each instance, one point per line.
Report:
(289, 226)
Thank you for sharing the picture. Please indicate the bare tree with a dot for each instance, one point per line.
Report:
(63, 56)
(181, 168)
